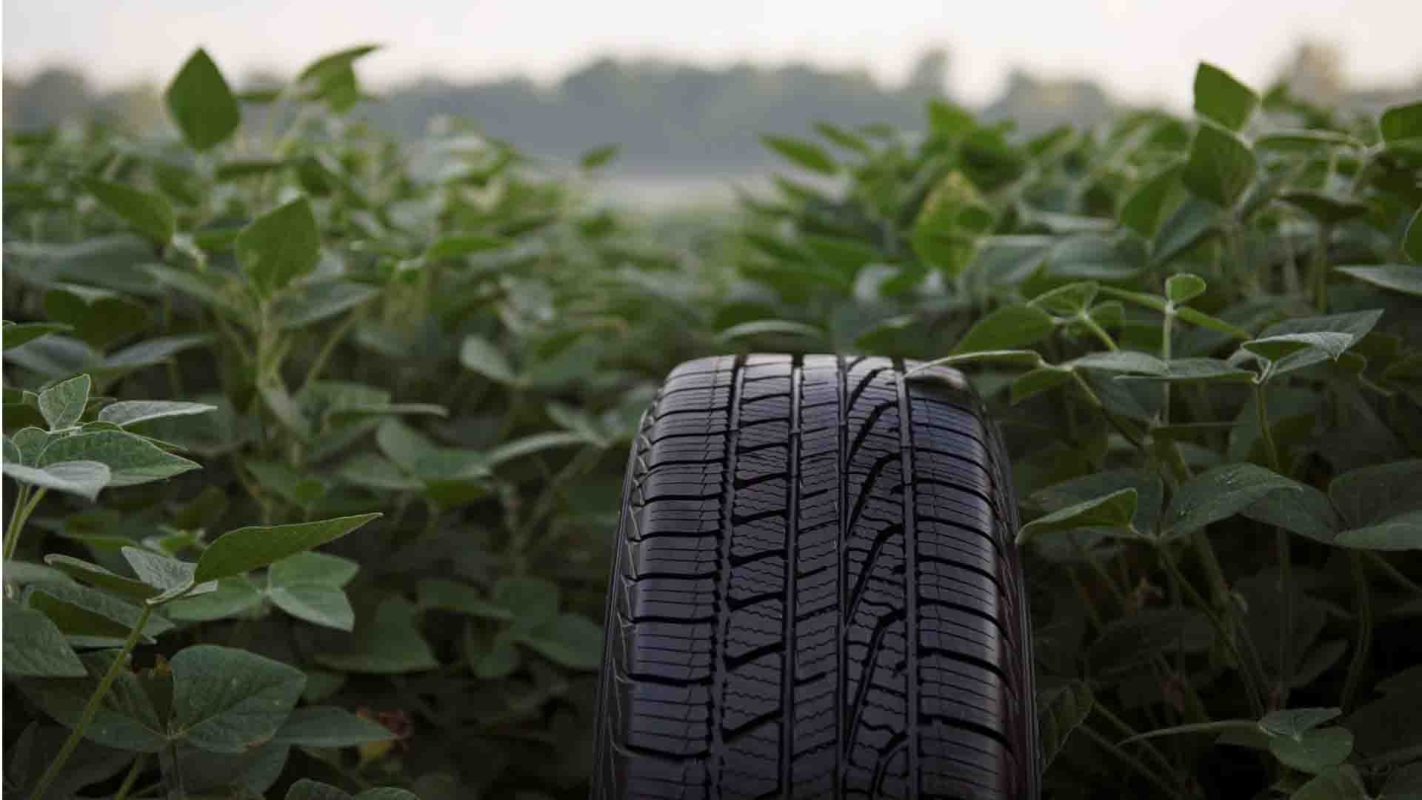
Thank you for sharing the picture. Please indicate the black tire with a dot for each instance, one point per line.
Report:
(788, 617)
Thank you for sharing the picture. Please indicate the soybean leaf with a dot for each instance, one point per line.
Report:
(279, 246)
(1401, 124)
(460, 598)
(1145, 206)
(228, 701)
(1221, 492)
(569, 640)
(248, 548)
(1395, 277)
(950, 224)
(532, 601)
(1068, 300)
(1222, 98)
(1136, 639)
(1220, 166)
(1402, 532)
(1294, 722)
(494, 659)
(63, 403)
(1313, 751)
(1061, 710)
(1183, 287)
(1196, 370)
(313, 567)
(317, 603)
(150, 213)
(132, 412)
(1412, 240)
(34, 647)
(307, 789)
(18, 333)
(1034, 382)
(599, 156)
(1114, 510)
(201, 103)
(1374, 493)
(387, 642)
(1006, 328)
(328, 726)
(125, 719)
(162, 572)
(480, 355)
(1276, 348)
(311, 301)
(1306, 512)
(91, 615)
(802, 153)
(332, 78)
(95, 575)
(234, 597)
(83, 478)
(1340, 782)
(131, 459)
(386, 793)
(455, 245)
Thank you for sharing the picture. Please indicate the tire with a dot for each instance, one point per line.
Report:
(788, 617)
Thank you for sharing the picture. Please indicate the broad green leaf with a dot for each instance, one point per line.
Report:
(316, 603)
(1191, 224)
(1114, 510)
(126, 718)
(1377, 492)
(131, 459)
(151, 214)
(534, 443)
(1395, 277)
(807, 155)
(456, 245)
(1327, 207)
(386, 793)
(1222, 492)
(202, 104)
(92, 615)
(480, 355)
(311, 301)
(1275, 348)
(332, 78)
(1060, 711)
(1006, 328)
(1356, 324)
(234, 597)
(307, 789)
(1068, 300)
(1220, 166)
(460, 598)
(95, 575)
(1146, 206)
(569, 640)
(492, 660)
(1034, 382)
(279, 246)
(1196, 370)
(1305, 140)
(249, 548)
(228, 701)
(132, 412)
(18, 333)
(388, 642)
(1402, 532)
(63, 403)
(1128, 361)
(164, 573)
(34, 647)
(1411, 241)
(1222, 98)
(1183, 287)
(1402, 123)
(83, 478)
(1341, 782)
(97, 316)
(1135, 639)
(950, 224)
(1295, 722)
(1313, 751)
(599, 156)
(313, 567)
(1306, 512)
(533, 602)
(328, 726)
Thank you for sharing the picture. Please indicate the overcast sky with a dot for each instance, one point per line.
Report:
(1143, 50)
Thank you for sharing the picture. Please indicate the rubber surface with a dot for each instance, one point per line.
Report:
(789, 617)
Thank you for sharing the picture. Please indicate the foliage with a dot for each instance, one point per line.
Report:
(409, 373)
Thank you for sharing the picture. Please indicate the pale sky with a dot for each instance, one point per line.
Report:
(1142, 50)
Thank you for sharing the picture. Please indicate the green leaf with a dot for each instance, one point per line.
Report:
(95, 575)
(313, 567)
(1314, 750)
(34, 647)
(234, 597)
(496, 659)
(307, 789)
(1294, 722)
(1183, 287)
(316, 603)
(1276, 348)
(1220, 166)
(92, 615)
(332, 78)
(164, 573)
(132, 412)
(1356, 324)
(460, 598)
(1403, 532)
(532, 601)
(807, 155)
(248, 548)
(63, 403)
(1144, 207)
(1006, 328)
(1411, 241)
(328, 726)
(126, 718)
(1128, 361)
(456, 245)
(1395, 277)
(311, 301)
(1034, 382)
(1221, 492)
(388, 642)
(599, 156)
(950, 224)
(151, 214)
(1306, 512)
(1374, 493)
(131, 459)
(386, 793)
(534, 443)
(1114, 510)
(202, 104)
(229, 701)
(1197, 370)
(1339, 783)
(569, 640)
(1222, 98)
(1068, 300)
(481, 356)
(83, 478)
(1135, 639)
(1060, 711)
(18, 333)
(1401, 123)
(279, 246)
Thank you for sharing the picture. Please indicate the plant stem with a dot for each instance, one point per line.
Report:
(25, 504)
(1281, 548)
(1365, 632)
(1165, 349)
(1096, 330)
(1131, 761)
(132, 777)
(1125, 728)
(1318, 272)
(92, 707)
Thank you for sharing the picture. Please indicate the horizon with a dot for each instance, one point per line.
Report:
(113, 45)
